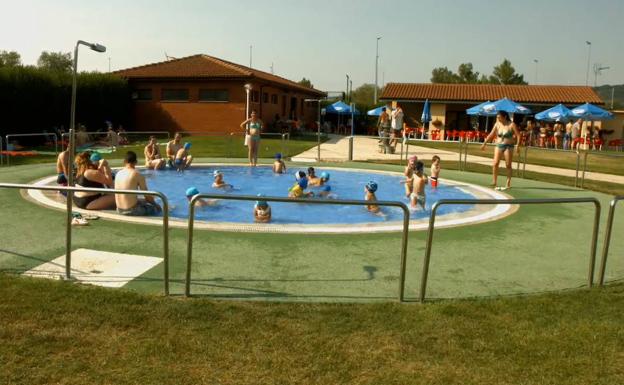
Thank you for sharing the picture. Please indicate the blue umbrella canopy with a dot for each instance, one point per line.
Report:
(477, 110)
(558, 113)
(426, 114)
(504, 104)
(340, 108)
(590, 112)
(375, 112)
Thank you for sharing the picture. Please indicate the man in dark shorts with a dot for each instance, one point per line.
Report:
(129, 178)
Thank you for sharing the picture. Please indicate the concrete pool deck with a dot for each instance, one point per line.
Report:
(537, 249)
(366, 148)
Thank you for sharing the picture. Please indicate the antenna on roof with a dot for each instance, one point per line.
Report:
(167, 57)
(271, 68)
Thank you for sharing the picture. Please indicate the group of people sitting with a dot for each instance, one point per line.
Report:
(177, 154)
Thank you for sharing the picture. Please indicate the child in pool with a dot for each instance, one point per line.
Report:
(192, 191)
(312, 178)
(262, 211)
(279, 167)
(417, 196)
(298, 189)
(324, 178)
(435, 170)
(409, 174)
(182, 158)
(369, 195)
(325, 192)
(218, 180)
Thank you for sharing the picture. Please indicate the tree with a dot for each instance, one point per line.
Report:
(306, 83)
(363, 96)
(505, 73)
(10, 59)
(466, 74)
(443, 75)
(55, 61)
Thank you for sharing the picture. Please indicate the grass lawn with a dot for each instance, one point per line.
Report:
(205, 147)
(60, 333)
(597, 161)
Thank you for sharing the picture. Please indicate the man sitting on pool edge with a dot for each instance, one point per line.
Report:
(129, 178)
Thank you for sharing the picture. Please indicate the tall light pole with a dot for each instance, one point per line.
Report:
(72, 149)
(318, 128)
(598, 68)
(250, 49)
(347, 93)
(350, 89)
(376, 66)
(588, 60)
(535, 61)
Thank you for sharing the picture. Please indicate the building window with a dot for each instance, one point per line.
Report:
(255, 97)
(273, 99)
(142, 94)
(302, 103)
(265, 97)
(175, 95)
(214, 95)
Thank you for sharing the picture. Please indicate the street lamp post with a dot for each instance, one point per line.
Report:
(588, 60)
(376, 67)
(72, 147)
(347, 93)
(536, 62)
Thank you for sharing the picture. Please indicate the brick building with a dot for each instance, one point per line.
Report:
(202, 93)
(450, 101)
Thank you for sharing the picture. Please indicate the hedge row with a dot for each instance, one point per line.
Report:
(34, 100)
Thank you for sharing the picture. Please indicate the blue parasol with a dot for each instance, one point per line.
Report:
(558, 113)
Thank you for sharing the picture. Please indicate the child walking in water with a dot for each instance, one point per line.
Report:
(369, 195)
(418, 190)
(262, 211)
(192, 191)
(435, 171)
(409, 174)
(279, 167)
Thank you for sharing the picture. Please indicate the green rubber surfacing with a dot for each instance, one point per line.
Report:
(539, 248)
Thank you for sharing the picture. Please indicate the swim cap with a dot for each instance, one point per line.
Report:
(192, 191)
(216, 173)
(278, 156)
(299, 175)
(95, 157)
(419, 166)
(187, 146)
(261, 203)
(326, 188)
(325, 175)
(303, 183)
(371, 186)
(413, 158)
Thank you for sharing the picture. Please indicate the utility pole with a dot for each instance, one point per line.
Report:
(250, 54)
(588, 60)
(535, 61)
(598, 68)
(271, 68)
(376, 66)
(347, 94)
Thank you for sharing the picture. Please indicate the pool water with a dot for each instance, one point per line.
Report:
(345, 184)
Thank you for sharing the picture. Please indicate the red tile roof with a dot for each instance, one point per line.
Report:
(481, 92)
(208, 67)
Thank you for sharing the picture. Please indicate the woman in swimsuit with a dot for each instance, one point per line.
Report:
(505, 130)
(253, 127)
(88, 175)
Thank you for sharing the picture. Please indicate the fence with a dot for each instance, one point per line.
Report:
(607, 239)
(44, 134)
(191, 221)
(68, 229)
(436, 205)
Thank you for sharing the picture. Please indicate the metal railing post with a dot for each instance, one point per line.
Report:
(465, 154)
(350, 158)
(1, 153)
(526, 155)
(68, 240)
(460, 154)
(584, 169)
(191, 222)
(428, 246)
(607, 239)
(578, 163)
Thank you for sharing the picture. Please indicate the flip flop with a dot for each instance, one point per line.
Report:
(91, 217)
(79, 222)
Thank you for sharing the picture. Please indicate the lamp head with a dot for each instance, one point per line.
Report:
(98, 47)
(248, 86)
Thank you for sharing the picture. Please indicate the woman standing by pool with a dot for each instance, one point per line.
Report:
(505, 130)
(253, 127)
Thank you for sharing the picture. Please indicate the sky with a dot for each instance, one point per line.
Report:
(326, 40)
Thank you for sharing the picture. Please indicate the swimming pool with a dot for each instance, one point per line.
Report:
(345, 184)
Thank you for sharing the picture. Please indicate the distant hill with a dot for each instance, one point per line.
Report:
(618, 97)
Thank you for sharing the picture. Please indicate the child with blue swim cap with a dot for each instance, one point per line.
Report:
(192, 191)
(262, 211)
(101, 164)
(279, 167)
(182, 158)
(298, 189)
(369, 195)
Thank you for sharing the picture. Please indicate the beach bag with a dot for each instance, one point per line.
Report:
(246, 140)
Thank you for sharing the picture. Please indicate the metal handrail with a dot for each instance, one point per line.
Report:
(434, 208)
(68, 232)
(46, 134)
(607, 239)
(1, 154)
(401, 205)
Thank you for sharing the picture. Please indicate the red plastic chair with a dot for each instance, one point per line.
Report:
(598, 144)
(616, 144)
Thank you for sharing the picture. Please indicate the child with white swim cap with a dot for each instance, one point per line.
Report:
(218, 180)
(262, 211)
